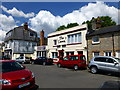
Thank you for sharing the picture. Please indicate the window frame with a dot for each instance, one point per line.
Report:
(95, 41)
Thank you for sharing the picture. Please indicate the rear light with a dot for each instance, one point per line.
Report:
(4, 82)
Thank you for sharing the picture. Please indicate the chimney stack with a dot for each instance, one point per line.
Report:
(93, 23)
(42, 38)
(96, 24)
(26, 26)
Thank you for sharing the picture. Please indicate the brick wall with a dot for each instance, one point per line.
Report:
(106, 44)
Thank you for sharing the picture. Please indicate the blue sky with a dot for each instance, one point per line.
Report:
(50, 15)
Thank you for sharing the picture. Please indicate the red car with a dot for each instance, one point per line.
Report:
(15, 76)
(73, 61)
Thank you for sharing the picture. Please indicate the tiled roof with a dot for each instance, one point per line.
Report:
(104, 30)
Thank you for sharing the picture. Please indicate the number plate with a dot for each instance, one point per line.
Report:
(23, 85)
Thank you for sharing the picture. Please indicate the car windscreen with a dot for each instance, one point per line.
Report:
(10, 66)
(118, 59)
(82, 58)
(27, 58)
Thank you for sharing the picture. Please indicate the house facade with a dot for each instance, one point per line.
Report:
(20, 41)
(70, 41)
(41, 49)
(104, 42)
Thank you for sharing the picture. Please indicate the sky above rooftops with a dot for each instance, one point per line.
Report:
(48, 16)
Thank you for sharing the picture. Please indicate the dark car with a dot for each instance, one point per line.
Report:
(110, 85)
(43, 61)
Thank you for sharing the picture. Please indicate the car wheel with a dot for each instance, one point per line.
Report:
(59, 65)
(23, 62)
(75, 67)
(44, 63)
(32, 62)
(94, 70)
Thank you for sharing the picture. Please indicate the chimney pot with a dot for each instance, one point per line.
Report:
(26, 26)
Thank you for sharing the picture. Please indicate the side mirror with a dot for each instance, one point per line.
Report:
(24, 66)
(115, 63)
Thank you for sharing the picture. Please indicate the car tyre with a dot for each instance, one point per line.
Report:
(94, 70)
(44, 63)
(23, 62)
(32, 62)
(59, 65)
(76, 67)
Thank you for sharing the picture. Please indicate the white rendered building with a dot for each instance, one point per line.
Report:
(70, 41)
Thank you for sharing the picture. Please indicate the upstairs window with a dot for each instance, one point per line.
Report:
(74, 38)
(95, 40)
(55, 42)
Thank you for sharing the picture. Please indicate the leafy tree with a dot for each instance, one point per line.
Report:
(68, 26)
(61, 28)
(104, 22)
(72, 25)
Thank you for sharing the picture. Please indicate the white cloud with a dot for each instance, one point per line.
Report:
(6, 23)
(17, 13)
(2, 35)
(48, 22)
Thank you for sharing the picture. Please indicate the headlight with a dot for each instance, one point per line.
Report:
(33, 75)
(4, 82)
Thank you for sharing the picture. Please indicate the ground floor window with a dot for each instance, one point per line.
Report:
(41, 53)
(80, 52)
(69, 53)
(54, 54)
(108, 53)
(96, 53)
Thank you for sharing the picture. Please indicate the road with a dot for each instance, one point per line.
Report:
(51, 76)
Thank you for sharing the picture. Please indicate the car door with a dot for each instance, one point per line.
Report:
(65, 61)
(73, 61)
(100, 62)
(111, 65)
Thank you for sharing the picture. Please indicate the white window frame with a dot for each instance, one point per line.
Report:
(75, 38)
(95, 42)
(107, 53)
(96, 52)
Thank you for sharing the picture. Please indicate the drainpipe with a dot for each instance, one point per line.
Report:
(113, 44)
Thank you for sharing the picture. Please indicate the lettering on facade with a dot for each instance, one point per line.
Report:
(41, 48)
(61, 39)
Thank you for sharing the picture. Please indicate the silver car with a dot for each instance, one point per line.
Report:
(23, 59)
(105, 63)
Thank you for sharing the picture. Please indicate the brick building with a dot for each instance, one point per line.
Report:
(104, 42)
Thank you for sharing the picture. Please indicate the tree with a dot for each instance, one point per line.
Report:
(104, 22)
(61, 28)
(72, 25)
(68, 26)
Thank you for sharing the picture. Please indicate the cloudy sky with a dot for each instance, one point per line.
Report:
(50, 15)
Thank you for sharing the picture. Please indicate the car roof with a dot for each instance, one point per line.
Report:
(105, 56)
(1, 61)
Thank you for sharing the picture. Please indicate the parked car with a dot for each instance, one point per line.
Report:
(105, 63)
(15, 76)
(73, 61)
(5, 57)
(110, 85)
(23, 59)
(43, 60)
